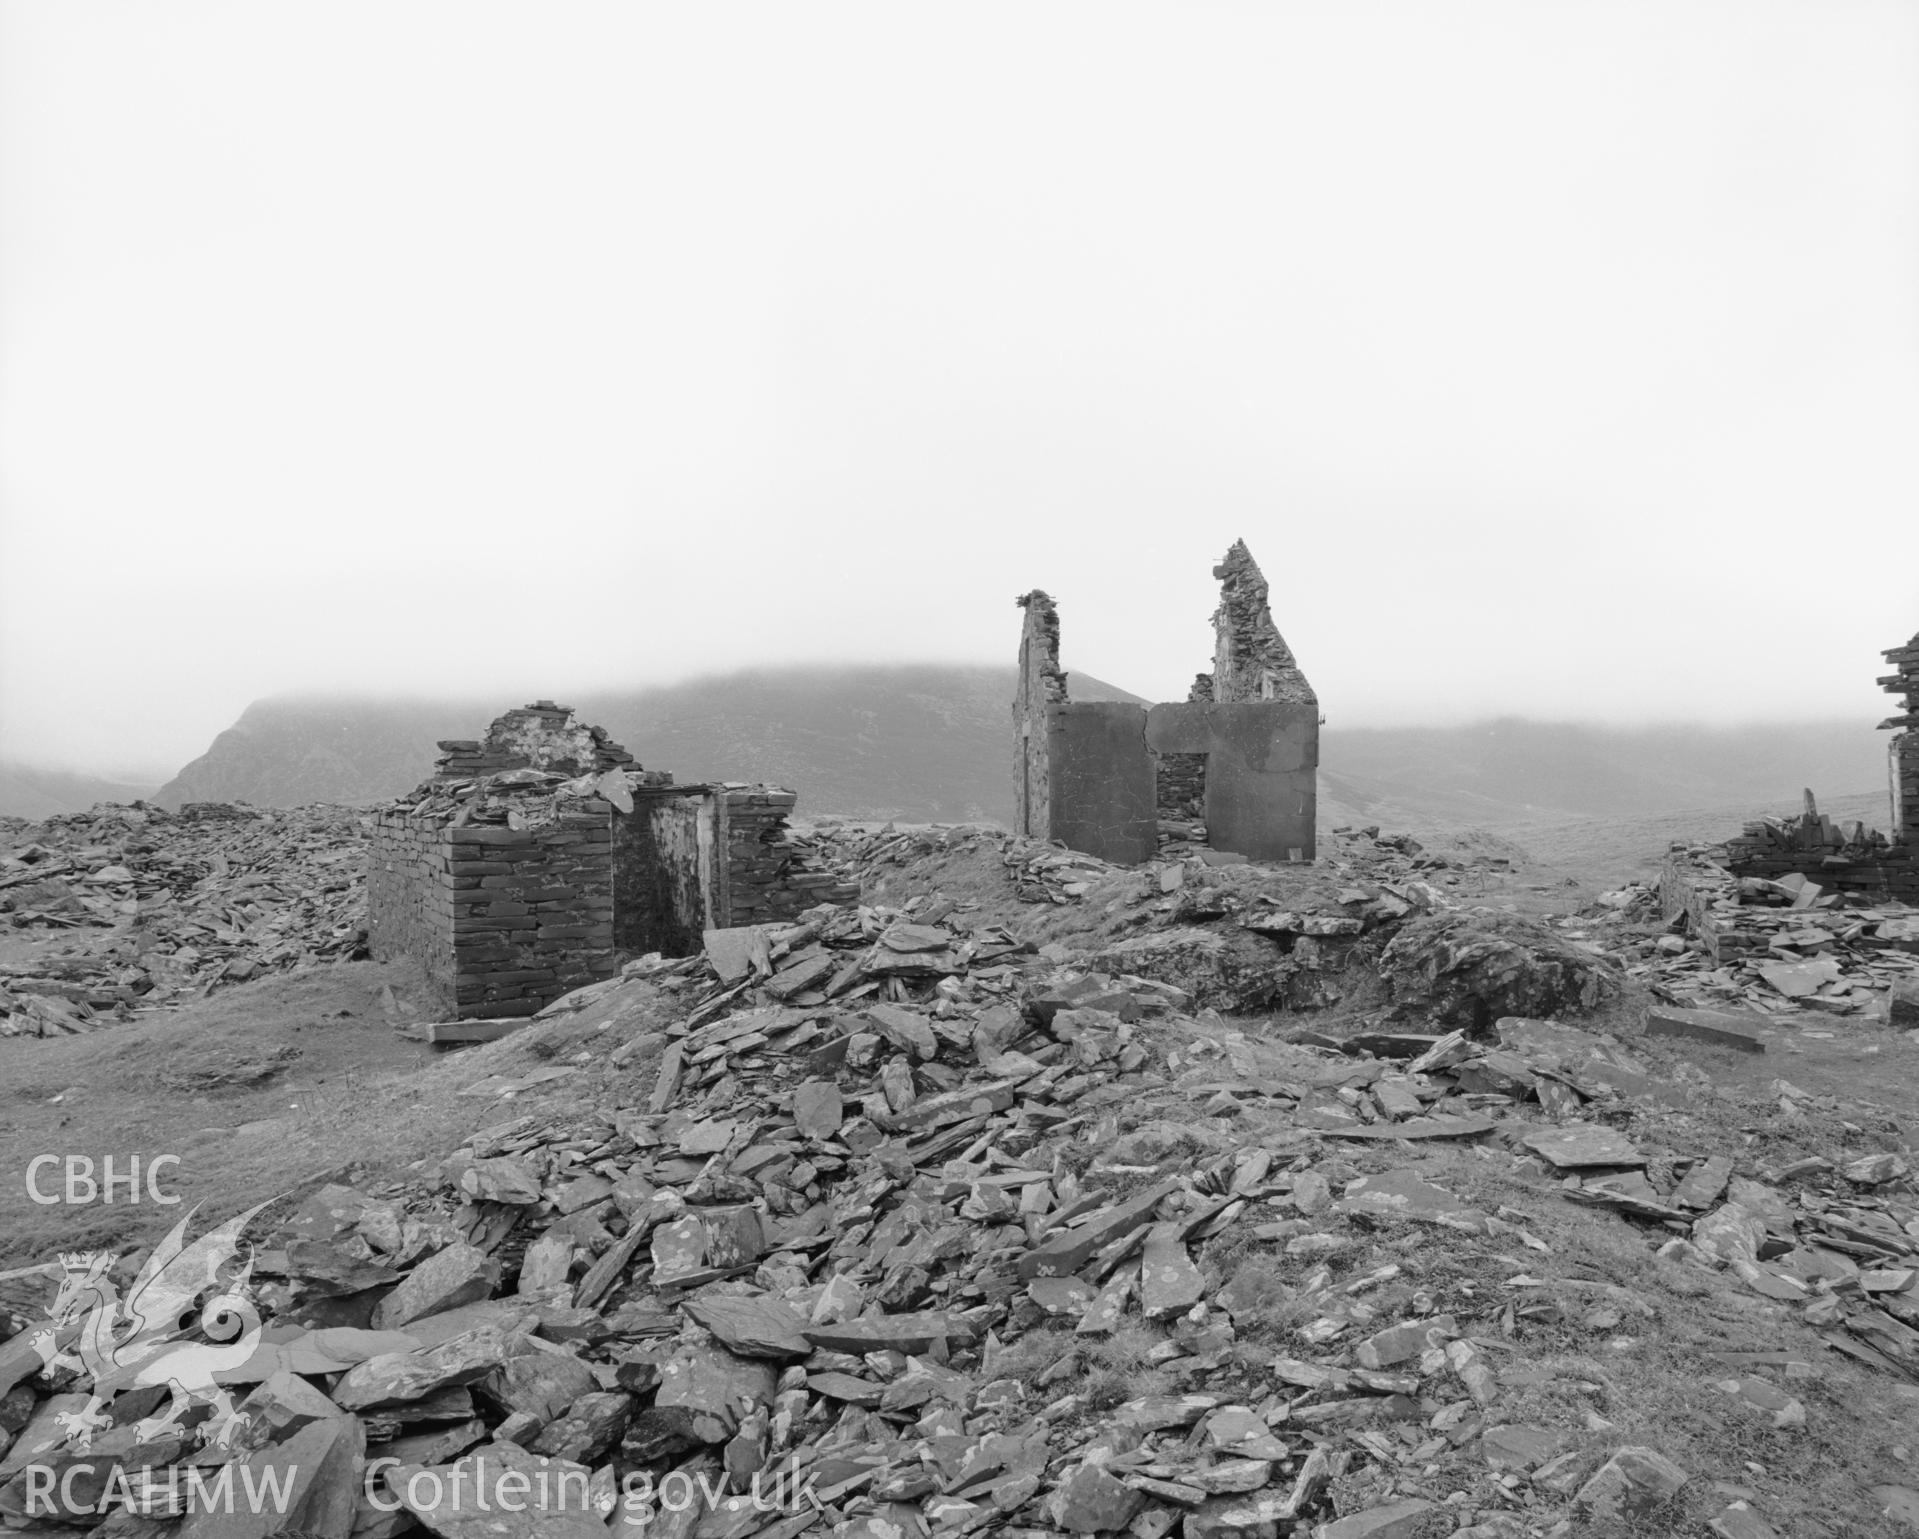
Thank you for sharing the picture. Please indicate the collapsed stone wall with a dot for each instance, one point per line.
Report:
(1870, 868)
(541, 736)
(767, 878)
(410, 897)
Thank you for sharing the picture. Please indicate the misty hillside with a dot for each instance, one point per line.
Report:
(929, 741)
(30, 792)
(1512, 770)
(932, 742)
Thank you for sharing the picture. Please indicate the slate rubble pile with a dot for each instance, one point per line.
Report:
(872, 1202)
(1776, 946)
(154, 907)
(862, 1201)
(1837, 1242)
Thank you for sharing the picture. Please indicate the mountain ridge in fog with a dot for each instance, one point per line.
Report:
(932, 742)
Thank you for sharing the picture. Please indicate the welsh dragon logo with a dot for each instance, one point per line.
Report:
(188, 1316)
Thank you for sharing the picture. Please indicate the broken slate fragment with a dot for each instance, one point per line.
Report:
(905, 1029)
(713, 1381)
(587, 1428)
(1242, 1433)
(1633, 1484)
(1581, 1145)
(1716, 1027)
(407, 1376)
(1519, 1447)
(1090, 1501)
(1396, 1520)
(679, 1248)
(1169, 1283)
(908, 1333)
(754, 1325)
(1060, 1295)
(1405, 1194)
(1068, 1250)
(460, 1274)
(499, 1492)
(817, 1109)
(1703, 1184)
(500, 1180)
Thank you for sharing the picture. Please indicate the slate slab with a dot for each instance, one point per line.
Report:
(1633, 1484)
(1406, 1194)
(401, 1376)
(1169, 1283)
(754, 1325)
(1580, 1146)
(1067, 1251)
(1718, 1028)
(817, 1108)
(552, 1496)
(460, 1274)
(908, 1333)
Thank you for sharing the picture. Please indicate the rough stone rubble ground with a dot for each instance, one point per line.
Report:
(978, 1234)
(157, 907)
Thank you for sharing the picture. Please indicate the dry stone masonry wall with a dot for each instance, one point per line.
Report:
(532, 910)
(1251, 660)
(535, 858)
(1041, 684)
(410, 895)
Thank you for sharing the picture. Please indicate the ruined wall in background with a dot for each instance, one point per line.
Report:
(1241, 753)
(1903, 751)
(1251, 660)
(541, 736)
(1041, 684)
(409, 898)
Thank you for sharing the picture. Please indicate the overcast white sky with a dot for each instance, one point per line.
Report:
(1553, 357)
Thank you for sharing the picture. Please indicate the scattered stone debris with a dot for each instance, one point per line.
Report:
(858, 1201)
(1769, 946)
(157, 907)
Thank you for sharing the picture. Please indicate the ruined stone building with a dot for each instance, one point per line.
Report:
(1241, 752)
(1852, 858)
(533, 860)
(1903, 751)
